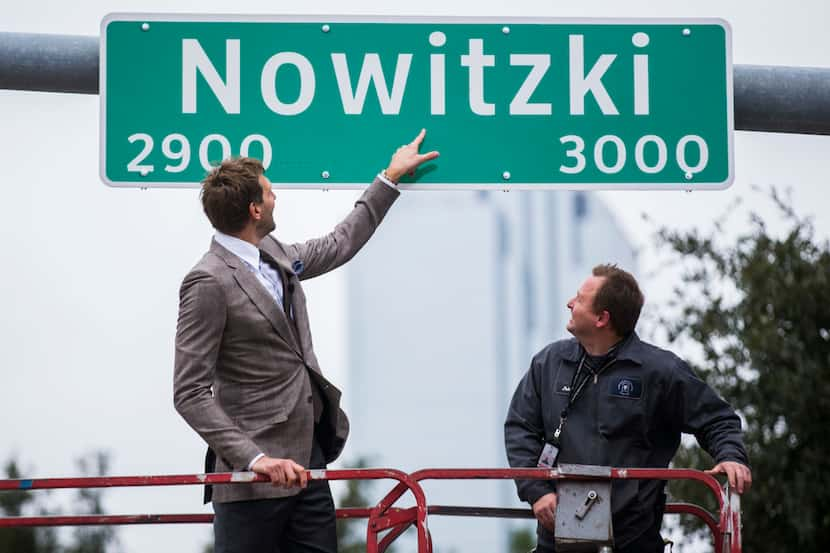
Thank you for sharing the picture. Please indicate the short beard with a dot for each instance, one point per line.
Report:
(264, 228)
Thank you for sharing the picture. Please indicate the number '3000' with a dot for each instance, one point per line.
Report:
(609, 155)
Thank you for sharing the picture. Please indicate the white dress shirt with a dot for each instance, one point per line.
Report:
(267, 275)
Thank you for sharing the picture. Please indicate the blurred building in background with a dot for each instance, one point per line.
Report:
(446, 306)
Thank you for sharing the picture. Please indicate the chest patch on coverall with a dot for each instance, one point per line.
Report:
(630, 387)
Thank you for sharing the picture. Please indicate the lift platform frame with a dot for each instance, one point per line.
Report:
(386, 522)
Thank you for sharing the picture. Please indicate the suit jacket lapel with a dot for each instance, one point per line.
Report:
(288, 288)
(260, 297)
(296, 296)
(270, 247)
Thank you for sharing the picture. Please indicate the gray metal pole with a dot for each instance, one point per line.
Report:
(782, 99)
(767, 98)
(49, 63)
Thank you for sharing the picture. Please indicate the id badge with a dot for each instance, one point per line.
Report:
(548, 457)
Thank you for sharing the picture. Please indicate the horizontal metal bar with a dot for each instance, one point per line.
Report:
(190, 479)
(394, 517)
(119, 520)
(489, 512)
(490, 474)
(354, 512)
(128, 481)
(103, 520)
(782, 99)
(49, 63)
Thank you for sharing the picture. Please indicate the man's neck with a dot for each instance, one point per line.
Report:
(600, 345)
(248, 234)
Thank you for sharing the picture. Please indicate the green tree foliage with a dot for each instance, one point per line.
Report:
(84, 539)
(21, 503)
(92, 539)
(522, 540)
(759, 308)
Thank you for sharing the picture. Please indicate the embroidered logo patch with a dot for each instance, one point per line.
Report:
(562, 385)
(626, 386)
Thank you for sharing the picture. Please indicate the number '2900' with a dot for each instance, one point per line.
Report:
(176, 148)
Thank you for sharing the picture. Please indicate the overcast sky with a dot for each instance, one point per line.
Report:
(91, 274)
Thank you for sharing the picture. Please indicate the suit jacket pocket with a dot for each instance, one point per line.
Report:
(255, 406)
(256, 423)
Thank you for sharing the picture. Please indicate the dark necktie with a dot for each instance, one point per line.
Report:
(316, 395)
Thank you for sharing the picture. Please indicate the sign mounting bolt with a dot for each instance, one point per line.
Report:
(145, 26)
(326, 28)
(688, 175)
(687, 31)
(325, 174)
(505, 30)
(506, 175)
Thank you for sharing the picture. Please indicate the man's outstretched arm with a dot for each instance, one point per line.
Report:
(326, 253)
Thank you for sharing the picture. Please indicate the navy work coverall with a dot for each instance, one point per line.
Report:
(631, 416)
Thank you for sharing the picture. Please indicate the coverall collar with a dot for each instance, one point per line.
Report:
(631, 350)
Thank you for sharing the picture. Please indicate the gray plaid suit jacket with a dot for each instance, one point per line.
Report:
(242, 373)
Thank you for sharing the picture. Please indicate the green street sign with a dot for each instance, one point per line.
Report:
(509, 103)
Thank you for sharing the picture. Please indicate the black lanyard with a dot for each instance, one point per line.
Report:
(578, 382)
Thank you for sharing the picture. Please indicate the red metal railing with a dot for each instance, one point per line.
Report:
(417, 515)
(386, 522)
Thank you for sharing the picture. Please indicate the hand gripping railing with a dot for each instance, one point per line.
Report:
(384, 517)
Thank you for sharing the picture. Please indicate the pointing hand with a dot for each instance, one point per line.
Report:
(407, 158)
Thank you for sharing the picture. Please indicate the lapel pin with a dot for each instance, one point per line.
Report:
(297, 266)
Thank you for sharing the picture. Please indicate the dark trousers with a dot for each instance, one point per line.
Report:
(649, 542)
(303, 523)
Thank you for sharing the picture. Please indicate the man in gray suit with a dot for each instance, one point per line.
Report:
(246, 377)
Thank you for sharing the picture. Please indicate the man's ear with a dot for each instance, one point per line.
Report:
(254, 211)
(603, 319)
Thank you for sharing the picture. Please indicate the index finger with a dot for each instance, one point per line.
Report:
(744, 479)
(303, 476)
(732, 477)
(551, 521)
(277, 476)
(420, 137)
(717, 469)
(290, 477)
